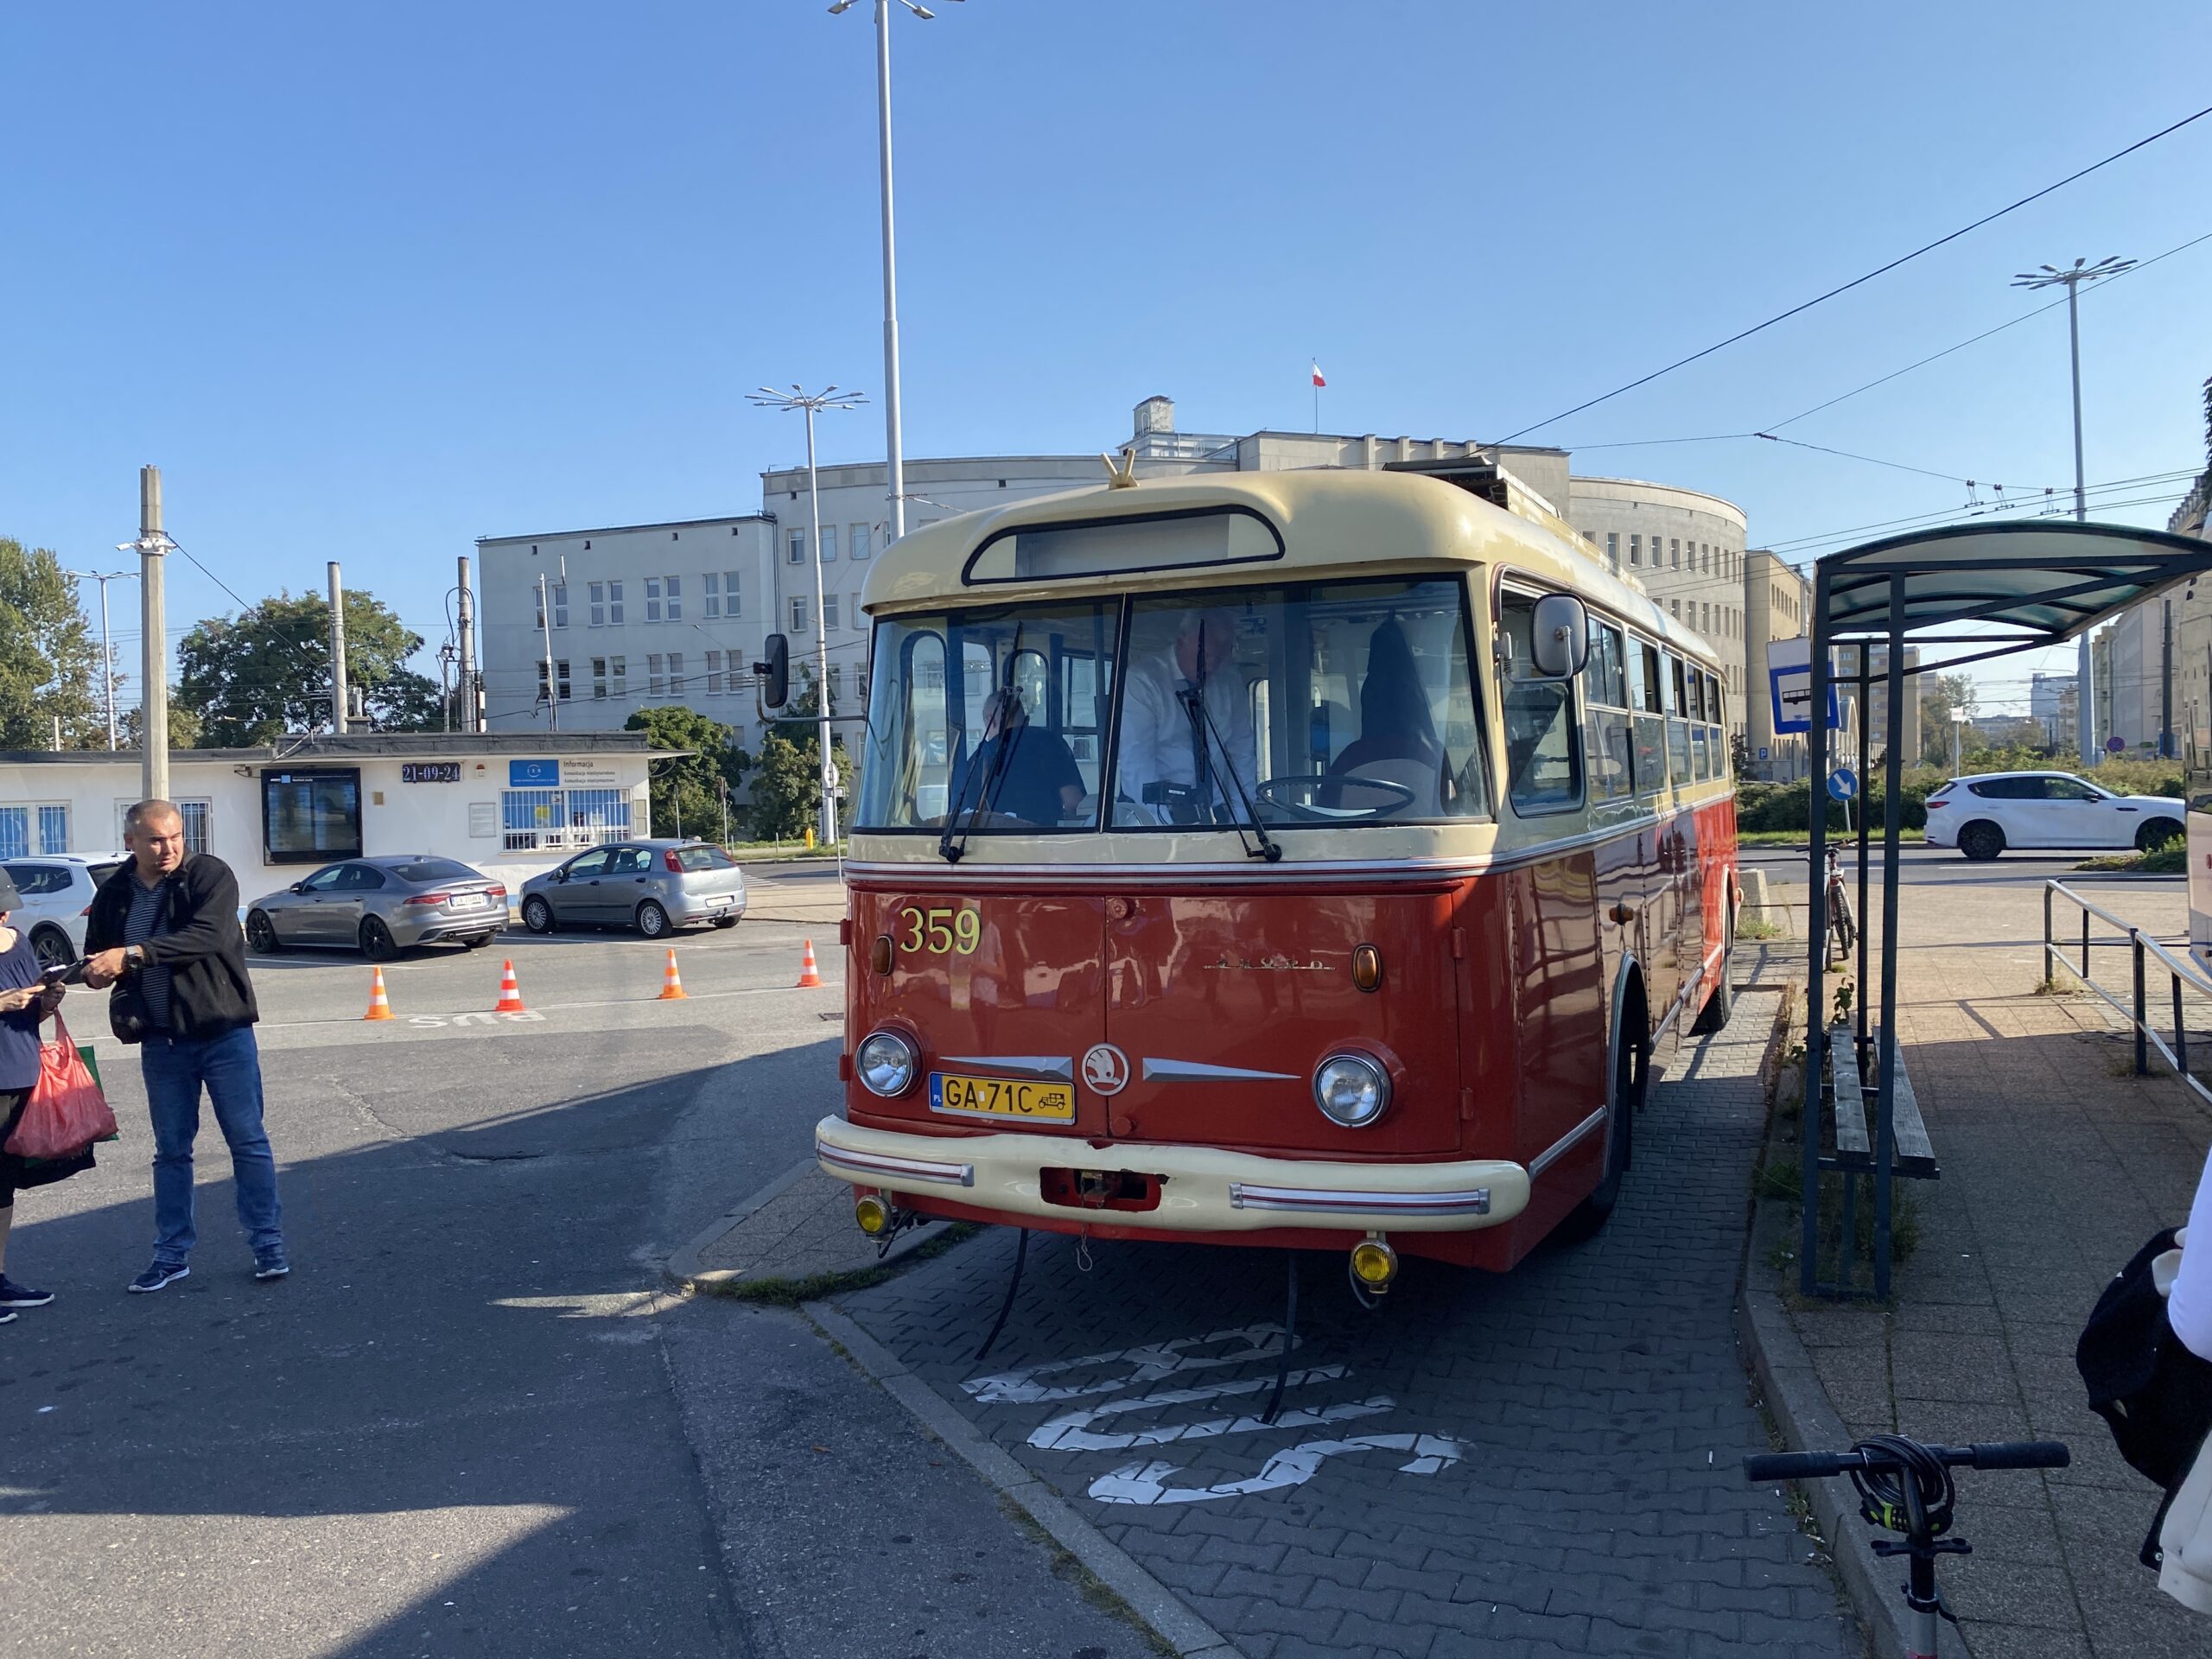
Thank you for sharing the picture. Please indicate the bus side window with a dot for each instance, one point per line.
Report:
(1678, 731)
(1543, 748)
(1605, 718)
(1646, 704)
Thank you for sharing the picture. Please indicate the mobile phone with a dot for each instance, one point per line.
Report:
(67, 973)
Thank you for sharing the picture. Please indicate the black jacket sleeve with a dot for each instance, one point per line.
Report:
(209, 923)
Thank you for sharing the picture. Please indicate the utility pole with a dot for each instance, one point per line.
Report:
(152, 547)
(2167, 679)
(546, 626)
(468, 651)
(107, 651)
(337, 652)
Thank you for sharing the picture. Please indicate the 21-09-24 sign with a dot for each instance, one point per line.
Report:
(430, 771)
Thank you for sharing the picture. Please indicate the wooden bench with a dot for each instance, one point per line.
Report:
(1912, 1153)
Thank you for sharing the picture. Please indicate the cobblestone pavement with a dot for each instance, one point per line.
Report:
(1539, 1463)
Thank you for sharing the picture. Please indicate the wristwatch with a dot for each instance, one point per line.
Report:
(134, 955)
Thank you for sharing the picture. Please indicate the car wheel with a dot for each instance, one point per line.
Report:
(653, 920)
(536, 915)
(53, 948)
(1981, 841)
(376, 943)
(261, 934)
(2156, 833)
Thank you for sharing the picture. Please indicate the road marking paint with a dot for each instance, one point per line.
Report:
(477, 1020)
(1146, 1483)
(1152, 1363)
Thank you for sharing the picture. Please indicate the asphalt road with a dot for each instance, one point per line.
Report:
(471, 1423)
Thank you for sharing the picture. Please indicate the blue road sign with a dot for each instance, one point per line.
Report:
(1843, 783)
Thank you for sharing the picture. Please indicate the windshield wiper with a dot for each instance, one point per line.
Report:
(1201, 717)
(951, 849)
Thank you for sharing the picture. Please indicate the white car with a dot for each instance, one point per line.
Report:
(57, 889)
(1983, 816)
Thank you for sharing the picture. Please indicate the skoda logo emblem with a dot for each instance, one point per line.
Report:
(1106, 1069)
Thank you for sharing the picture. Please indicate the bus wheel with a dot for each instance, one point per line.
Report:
(1584, 1221)
(1721, 1002)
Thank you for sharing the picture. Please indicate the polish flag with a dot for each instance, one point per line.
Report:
(1317, 380)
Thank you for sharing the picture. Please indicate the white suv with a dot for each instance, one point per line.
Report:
(1983, 816)
(57, 890)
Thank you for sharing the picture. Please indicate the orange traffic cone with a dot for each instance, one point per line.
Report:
(379, 1004)
(509, 993)
(671, 983)
(807, 974)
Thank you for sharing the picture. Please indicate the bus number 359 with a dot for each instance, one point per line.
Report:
(939, 931)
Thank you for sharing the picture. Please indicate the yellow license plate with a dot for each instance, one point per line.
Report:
(1048, 1102)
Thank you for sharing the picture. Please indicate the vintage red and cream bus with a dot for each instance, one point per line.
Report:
(1307, 859)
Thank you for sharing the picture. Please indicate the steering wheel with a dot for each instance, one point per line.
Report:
(1295, 795)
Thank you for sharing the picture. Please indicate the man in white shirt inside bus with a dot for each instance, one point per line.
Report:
(1172, 761)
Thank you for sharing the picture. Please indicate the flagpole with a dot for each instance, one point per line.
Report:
(1316, 379)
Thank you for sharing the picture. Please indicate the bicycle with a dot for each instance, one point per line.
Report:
(1904, 1486)
(1842, 925)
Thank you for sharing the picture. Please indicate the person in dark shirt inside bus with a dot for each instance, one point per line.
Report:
(1019, 771)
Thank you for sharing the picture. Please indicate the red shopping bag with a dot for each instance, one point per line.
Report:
(67, 1111)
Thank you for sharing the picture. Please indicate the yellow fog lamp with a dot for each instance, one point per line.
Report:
(1374, 1263)
(873, 1211)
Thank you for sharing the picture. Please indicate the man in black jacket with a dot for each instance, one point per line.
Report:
(163, 931)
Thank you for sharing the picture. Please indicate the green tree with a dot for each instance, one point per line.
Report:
(252, 677)
(687, 792)
(184, 728)
(49, 663)
(787, 779)
(1940, 694)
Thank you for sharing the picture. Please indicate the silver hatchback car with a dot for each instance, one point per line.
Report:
(652, 885)
(380, 906)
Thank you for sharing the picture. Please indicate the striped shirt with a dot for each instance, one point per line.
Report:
(143, 923)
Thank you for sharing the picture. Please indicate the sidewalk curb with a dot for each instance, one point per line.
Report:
(1784, 1373)
(684, 1268)
(1159, 1608)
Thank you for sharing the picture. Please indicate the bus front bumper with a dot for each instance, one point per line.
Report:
(1201, 1189)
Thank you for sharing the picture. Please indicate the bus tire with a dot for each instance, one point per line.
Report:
(1629, 1074)
(1720, 1001)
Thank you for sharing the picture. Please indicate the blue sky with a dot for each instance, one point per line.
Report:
(369, 283)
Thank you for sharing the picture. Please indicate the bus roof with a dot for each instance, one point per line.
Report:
(1332, 522)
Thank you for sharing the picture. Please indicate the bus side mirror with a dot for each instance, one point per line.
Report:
(776, 672)
(1560, 641)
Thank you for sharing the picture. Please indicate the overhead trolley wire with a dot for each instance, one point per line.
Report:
(1856, 282)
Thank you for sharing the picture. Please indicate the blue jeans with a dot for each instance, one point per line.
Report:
(230, 1067)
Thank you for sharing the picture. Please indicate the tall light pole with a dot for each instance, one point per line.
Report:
(107, 651)
(2073, 276)
(152, 547)
(894, 441)
(812, 403)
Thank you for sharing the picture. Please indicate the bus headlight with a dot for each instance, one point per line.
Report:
(886, 1063)
(1352, 1090)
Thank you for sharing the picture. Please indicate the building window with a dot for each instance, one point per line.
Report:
(560, 604)
(856, 539)
(837, 684)
(54, 828)
(1674, 550)
(532, 819)
(675, 673)
(675, 599)
(656, 680)
(618, 675)
(860, 622)
(799, 615)
(829, 612)
(307, 817)
(794, 548)
(537, 606)
(560, 675)
(1636, 550)
(15, 832)
(1613, 549)
(599, 679)
(731, 592)
(829, 543)
(713, 669)
(712, 590)
(652, 599)
(615, 604)
(598, 604)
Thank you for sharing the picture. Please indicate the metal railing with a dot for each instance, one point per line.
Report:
(2182, 975)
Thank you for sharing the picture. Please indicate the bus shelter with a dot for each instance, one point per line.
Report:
(1964, 594)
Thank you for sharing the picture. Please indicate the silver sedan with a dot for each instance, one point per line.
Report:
(380, 906)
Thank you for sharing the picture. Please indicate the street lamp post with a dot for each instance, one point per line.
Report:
(894, 441)
(107, 651)
(811, 403)
(2072, 278)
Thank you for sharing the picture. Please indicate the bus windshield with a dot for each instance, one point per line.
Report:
(1337, 702)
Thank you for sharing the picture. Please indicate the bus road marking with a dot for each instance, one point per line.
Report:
(1146, 1483)
(477, 1020)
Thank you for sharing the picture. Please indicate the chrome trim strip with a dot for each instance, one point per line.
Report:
(1243, 1195)
(1048, 1068)
(1192, 1071)
(871, 1163)
(1558, 1148)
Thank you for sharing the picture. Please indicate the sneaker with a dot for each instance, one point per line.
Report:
(15, 1295)
(155, 1278)
(7, 1316)
(272, 1266)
